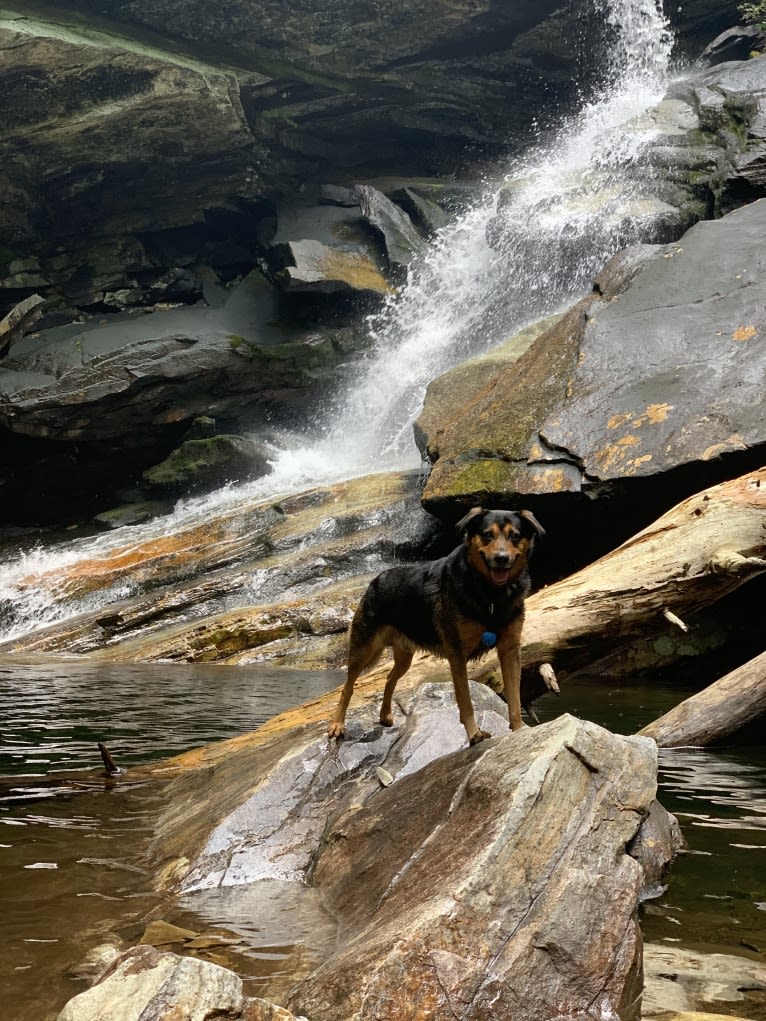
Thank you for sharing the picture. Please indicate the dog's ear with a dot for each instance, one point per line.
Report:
(536, 528)
(464, 524)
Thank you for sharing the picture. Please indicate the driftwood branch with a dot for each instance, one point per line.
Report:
(671, 618)
(718, 711)
(677, 561)
(19, 321)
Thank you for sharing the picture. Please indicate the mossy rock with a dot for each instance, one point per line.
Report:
(204, 464)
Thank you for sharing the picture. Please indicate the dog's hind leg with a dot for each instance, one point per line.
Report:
(360, 657)
(464, 703)
(402, 661)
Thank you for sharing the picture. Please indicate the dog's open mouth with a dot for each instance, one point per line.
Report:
(500, 575)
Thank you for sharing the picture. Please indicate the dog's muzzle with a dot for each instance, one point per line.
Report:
(499, 568)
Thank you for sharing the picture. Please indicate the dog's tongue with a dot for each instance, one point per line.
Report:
(499, 575)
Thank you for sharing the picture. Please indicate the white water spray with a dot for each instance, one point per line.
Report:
(554, 219)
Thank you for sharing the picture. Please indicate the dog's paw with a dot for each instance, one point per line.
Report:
(336, 730)
(387, 720)
(480, 735)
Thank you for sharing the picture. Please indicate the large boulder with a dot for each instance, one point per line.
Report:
(661, 369)
(492, 883)
(462, 880)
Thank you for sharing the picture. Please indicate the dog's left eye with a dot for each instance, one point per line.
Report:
(514, 537)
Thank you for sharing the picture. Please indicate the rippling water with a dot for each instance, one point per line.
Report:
(71, 867)
(56, 711)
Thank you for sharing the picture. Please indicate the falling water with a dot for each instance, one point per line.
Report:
(553, 219)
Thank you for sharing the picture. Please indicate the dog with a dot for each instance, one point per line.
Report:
(457, 607)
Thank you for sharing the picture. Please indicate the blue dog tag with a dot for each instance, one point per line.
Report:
(489, 639)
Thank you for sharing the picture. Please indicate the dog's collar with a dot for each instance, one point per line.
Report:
(489, 638)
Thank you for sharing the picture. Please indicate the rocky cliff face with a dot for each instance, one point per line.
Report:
(126, 118)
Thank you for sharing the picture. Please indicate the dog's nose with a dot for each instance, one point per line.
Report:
(501, 560)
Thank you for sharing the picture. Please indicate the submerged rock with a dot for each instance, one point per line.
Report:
(683, 980)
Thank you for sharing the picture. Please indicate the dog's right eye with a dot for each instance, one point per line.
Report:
(488, 535)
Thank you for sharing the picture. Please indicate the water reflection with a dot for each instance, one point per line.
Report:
(56, 711)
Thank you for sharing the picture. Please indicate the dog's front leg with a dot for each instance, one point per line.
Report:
(510, 667)
(464, 703)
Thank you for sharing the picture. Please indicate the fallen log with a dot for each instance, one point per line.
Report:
(715, 713)
(699, 551)
(19, 321)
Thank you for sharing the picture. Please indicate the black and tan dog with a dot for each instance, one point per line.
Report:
(457, 607)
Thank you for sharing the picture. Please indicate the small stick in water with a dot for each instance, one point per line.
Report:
(112, 769)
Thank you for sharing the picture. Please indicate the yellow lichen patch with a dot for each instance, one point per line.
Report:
(543, 479)
(607, 457)
(638, 461)
(354, 269)
(617, 420)
(654, 413)
(744, 333)
(628, 441)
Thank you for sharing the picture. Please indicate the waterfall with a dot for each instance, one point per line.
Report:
(553, 217)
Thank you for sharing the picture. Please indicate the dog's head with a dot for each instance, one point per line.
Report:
(499, 542)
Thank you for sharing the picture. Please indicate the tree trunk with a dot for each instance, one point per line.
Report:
(715, 713)
(702, 549)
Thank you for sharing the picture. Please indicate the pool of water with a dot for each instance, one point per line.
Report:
(71, 873)
(71, 865)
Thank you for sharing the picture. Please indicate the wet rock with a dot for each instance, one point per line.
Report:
(19, 321)
(135, 376)
(724, 162)
(736, 43)
(401, 240)
(627, 386)
(133, 513)
(160, 934)
(310, 266)
(271, 828)
(198, 466)
(424, 212)
(271, 581)
(156, 986)
(541, 910)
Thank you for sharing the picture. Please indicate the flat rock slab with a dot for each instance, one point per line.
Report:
(276, 821)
